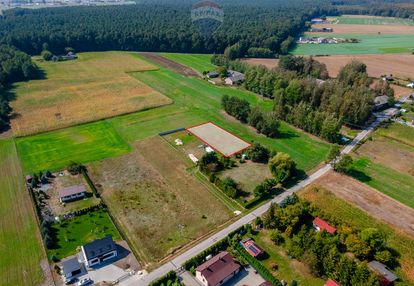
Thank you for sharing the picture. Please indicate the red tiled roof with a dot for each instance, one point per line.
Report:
(331, 282)
(251, 247)
(324, 225)
(218, 268)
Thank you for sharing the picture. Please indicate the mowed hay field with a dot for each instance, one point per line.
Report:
(372, 20)
(158, 203)
(20, 243)
(56, 149)
(341, 211)
(95, 86)
(198, 62)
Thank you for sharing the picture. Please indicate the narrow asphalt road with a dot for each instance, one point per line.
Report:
(177, 262)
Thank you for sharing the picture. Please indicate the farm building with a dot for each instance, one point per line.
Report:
(71, 267)
(321, 30)
(234, 77)
(218, 139)
(218, 270)
(72, 193)
(386, 276)
(319, 225)
(212, 74)
(331, 282)
(251, 247)
(99, 251)
(380, 102)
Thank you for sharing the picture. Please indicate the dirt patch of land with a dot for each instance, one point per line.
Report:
(399, 65)
(169, 64)
(158, 203)
(376, 204)
(364, 29)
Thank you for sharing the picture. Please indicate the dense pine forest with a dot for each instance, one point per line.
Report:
(388, 8)
(157, 26)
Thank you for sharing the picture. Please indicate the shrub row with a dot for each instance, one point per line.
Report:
(167, 279)
(100, 206)
(90, 183)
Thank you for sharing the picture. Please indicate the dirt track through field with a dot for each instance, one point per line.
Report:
(365, 29)
(169, 64)
(370, 200)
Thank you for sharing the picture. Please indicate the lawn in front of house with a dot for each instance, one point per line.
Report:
(73, 233)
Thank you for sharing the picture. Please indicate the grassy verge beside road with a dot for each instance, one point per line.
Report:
(20, 243)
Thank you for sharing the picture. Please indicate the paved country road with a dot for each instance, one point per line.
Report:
(177, 262)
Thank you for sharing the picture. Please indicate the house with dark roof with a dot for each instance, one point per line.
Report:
(331, 282)
(234, 77)
(320, 225)
(385, 275)
(71, 268)
(213, 74)
(99, 251)
(217, 270)
(251, 247)
(72, 193)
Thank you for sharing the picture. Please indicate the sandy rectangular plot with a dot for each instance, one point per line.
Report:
(219, 139)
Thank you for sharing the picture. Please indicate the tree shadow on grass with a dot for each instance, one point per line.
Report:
(359, 175)
(286, 135)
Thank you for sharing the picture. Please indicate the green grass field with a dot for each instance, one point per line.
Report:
(20, 243)
(398, 132)
(353, 20)
(342, 211)
(397, 185)
(198, 62)
(369, 44)
(55, 150)
(197, 101)
(73, 233)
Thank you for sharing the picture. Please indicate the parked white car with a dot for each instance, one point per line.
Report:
(85, 281)
(411, 84)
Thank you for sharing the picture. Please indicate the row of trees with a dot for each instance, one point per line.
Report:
(266, 123)
(14, 66)
(304, 100)
(394, 8)
(290, 225)
(158, 26)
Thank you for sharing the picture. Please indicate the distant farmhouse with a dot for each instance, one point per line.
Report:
(99, 251)
(380, 102)
(213, 74)
(321, 30)
(72, 193)
(218, 270)
(386, 277)
(318, 21)
(69, 56)
(234, 77)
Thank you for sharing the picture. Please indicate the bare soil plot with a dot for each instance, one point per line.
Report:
(389, 153)
(158, 203)
(400, 65)
(378, 205)
(365, 29)
(170, 64)
(219, 139)
(93, 87)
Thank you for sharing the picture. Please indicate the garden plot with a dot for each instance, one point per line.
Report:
(219, 139)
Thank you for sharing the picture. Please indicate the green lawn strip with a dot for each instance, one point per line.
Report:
(397, 185)
(55, 150)
(198, 62)
(203, 101)
(369, 44)
(344, 212)
(373, 21)
(286, 269)
(398, 132)
(73, 233)
(20, 243)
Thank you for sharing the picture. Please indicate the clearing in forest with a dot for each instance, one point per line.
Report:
(95, 86)
(20, 244)
(159, 204)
